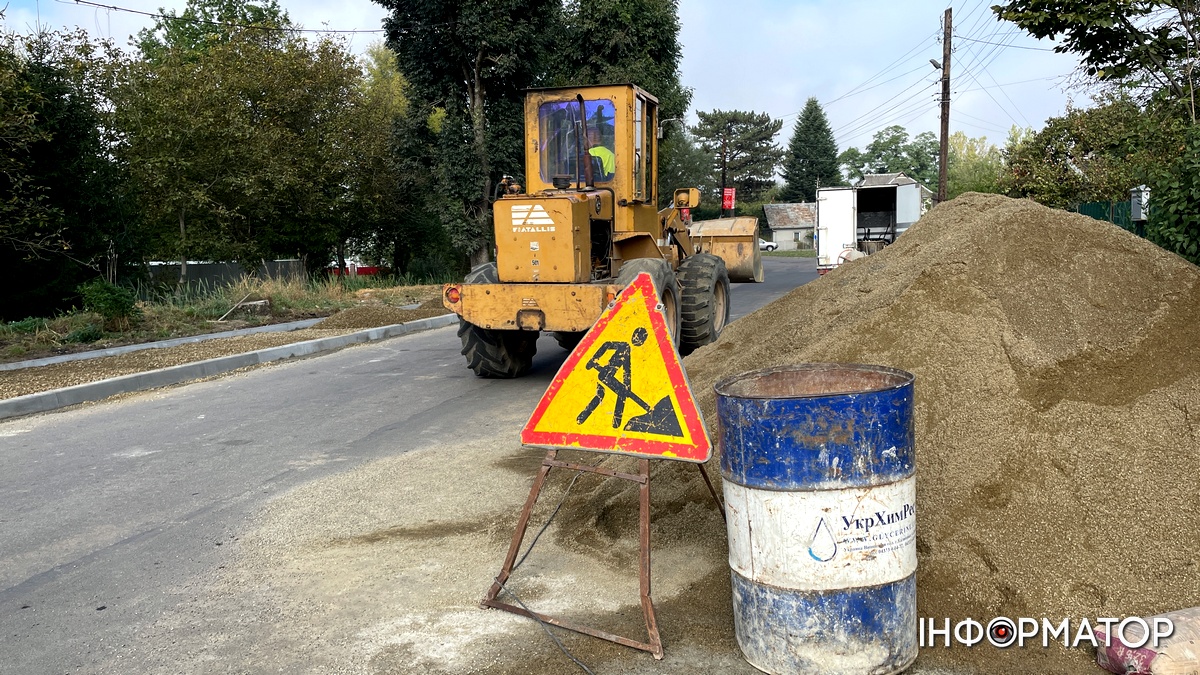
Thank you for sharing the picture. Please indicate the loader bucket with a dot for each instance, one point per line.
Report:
(734, 240)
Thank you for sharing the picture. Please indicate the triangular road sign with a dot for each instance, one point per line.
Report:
(623, 389)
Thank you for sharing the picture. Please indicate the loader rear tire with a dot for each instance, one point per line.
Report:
(495, 353)
(705, 304)
(664, 280)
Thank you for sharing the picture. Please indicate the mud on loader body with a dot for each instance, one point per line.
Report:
(584, 228)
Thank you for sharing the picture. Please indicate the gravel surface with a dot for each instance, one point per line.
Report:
(15, 383)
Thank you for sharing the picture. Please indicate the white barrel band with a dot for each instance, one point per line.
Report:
(823, 539)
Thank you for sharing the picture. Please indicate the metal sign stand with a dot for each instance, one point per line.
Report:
(654, 645)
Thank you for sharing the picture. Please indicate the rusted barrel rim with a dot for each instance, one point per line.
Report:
(755, 384)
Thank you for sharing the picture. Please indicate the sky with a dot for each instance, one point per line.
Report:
(866, 61)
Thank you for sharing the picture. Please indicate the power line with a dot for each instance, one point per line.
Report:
(1036, 49)
(886, 69)
(886, 117)
(1012, 84)
(872, 111)
(980, 119)
(228, 24)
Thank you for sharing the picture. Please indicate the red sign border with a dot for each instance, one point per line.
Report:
(637, 447)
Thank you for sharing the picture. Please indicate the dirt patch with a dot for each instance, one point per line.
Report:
(370, 316)
(45, 378)
(15, 383)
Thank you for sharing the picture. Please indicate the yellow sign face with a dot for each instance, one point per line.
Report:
(623, 389)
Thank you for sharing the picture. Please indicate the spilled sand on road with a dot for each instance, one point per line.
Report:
(1057, 419)
(1057, 410)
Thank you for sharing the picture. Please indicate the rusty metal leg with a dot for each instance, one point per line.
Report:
(644, 572)
(712, 491)
(519, 535)
(654, 645)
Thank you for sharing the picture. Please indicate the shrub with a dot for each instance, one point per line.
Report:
(116, 304)
(27, 325)
(89, 333)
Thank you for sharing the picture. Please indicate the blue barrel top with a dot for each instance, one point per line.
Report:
(816, 426)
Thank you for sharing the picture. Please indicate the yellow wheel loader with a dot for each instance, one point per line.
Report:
(585, 226)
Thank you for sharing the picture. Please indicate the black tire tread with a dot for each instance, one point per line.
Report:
(664, 280)
(698, 276)
(495, 353)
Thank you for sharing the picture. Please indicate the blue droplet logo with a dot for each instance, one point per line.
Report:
(823, 546)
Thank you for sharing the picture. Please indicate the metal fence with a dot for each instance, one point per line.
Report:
(1117, 213)
(222, 274)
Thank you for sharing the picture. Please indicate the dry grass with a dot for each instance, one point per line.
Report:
(195, 310)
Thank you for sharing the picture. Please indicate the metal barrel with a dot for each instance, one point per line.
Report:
(820, 492)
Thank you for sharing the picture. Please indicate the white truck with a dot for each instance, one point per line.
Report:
(861, 220)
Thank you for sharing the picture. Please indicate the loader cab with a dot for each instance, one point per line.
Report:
(620, 143)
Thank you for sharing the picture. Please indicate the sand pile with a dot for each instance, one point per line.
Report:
(1057, 410)
(372, 316)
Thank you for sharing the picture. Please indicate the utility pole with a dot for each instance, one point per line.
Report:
(944, 152)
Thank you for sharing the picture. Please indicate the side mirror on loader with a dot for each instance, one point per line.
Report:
(687, 198)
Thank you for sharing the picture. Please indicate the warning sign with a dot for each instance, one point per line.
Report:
(623, 389)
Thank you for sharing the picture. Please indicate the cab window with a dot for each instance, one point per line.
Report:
(563, 148)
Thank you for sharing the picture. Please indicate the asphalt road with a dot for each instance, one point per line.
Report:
(111, 514)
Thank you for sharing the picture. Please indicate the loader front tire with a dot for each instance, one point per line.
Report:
(495, 353)
(664, 281)
(705, 302)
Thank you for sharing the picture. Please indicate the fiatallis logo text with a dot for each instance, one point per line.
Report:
(531, 218)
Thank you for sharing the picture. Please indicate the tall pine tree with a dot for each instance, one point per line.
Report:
(812, 157)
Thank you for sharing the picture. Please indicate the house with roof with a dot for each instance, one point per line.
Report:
(792, 224)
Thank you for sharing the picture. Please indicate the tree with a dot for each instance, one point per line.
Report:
(975, 165)
(890, 151)
(1151, 48)
(683, 164)
(1152, 45)
(743, 148)
(472, 60)
(812, 156)
(62, 212)
(605, 41)
(1085, 155)
(242, 151)
(205, 23)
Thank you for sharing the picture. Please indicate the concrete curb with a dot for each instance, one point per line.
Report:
(174, 342)
(95, 391)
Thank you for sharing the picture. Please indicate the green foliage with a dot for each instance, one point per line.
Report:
(891, 151)
(742, 145)
(974, 165)
(1144, 44)
(1083, 156)
(25, 326)
(205, 23)
(248, 150)
(812, 156)
(85, 334)
(607, 41)
(472, 60)
(63, 209)
(683, 164)
(110, 301)
(1175, 197)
